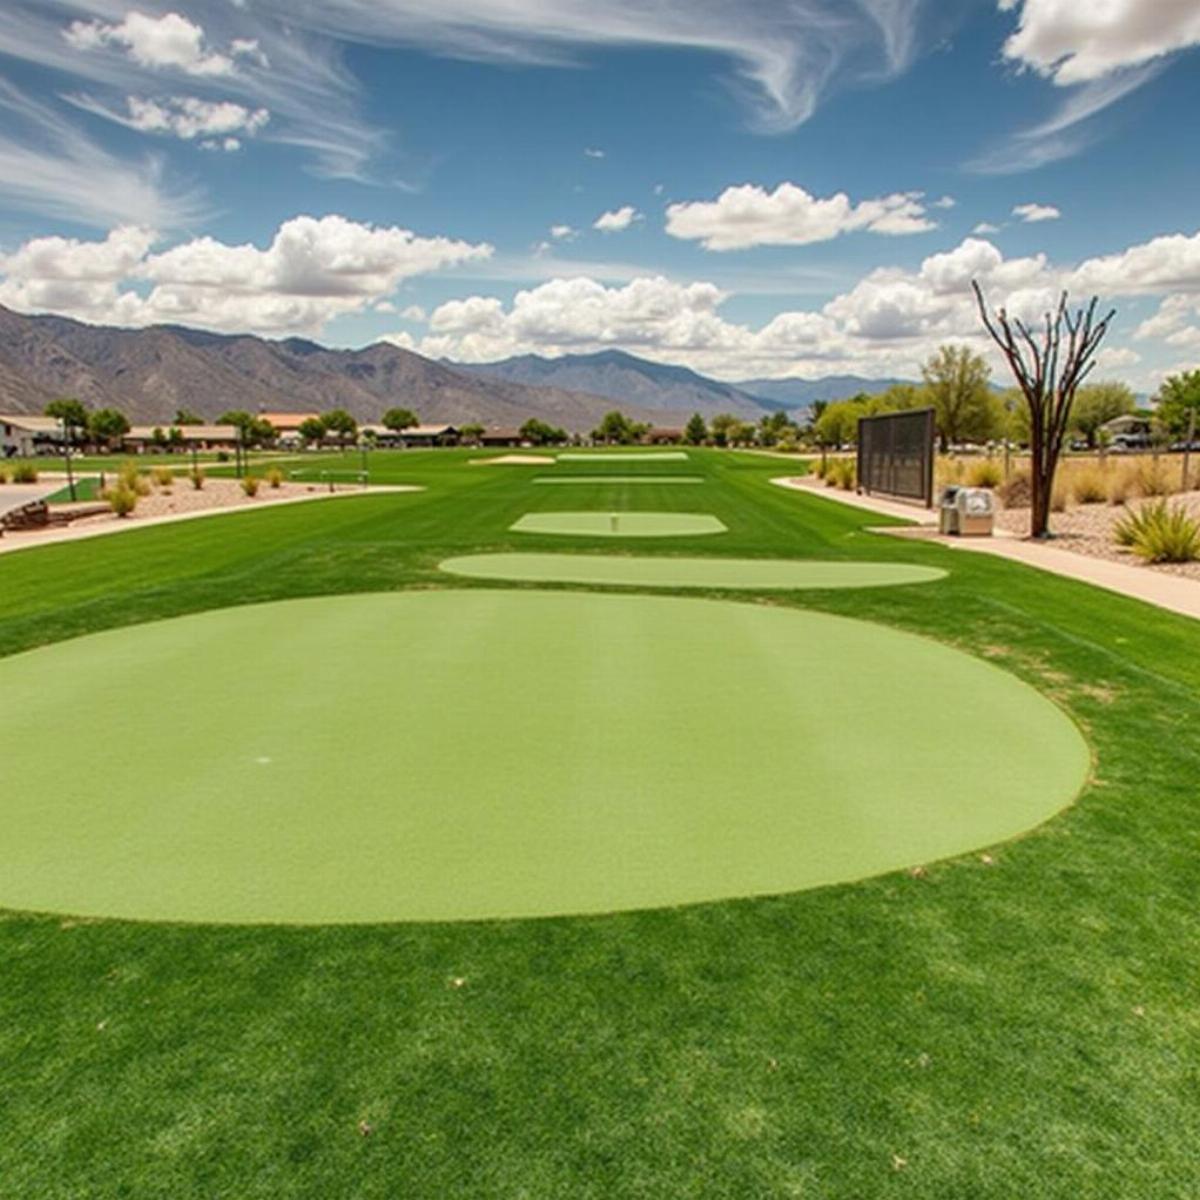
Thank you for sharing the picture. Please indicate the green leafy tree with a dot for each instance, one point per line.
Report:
(185, 416)
(722, 427)
(901, 397)
(471, 432)
(398, 419)
(696, 430)
(71, 412)
(541, 434)
(341, 424)
(1098, 403)
(254, 430)
(175, 437)
(312, 430)
(107, 426)
(1179, 401)
(838, 423)
(956, 380)
(614, 427)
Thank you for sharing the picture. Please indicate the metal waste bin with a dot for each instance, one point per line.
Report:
(948, 510)
(976, 512)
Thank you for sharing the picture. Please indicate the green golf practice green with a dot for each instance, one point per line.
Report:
(616, 456)
(619, 524)
(622, 479)
(631, 571)
(445, 755)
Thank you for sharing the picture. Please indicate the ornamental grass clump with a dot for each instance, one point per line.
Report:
(164, 477)
(1122, 483)
(844, 474)
(1016, 491)
(24, 473)
(274, 477)
(985, 474)
(196, 475)
(1160, 533)
(1152, 478)
(250, 485)
(1088, 486)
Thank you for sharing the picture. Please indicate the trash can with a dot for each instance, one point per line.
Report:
(948, 510)
(976, 512)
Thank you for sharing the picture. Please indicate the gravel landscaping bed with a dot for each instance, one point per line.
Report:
(1089, 529)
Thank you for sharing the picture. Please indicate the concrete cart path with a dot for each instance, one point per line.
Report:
(17, 495)
(1171, 592)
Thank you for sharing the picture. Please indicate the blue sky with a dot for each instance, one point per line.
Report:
(795, 187)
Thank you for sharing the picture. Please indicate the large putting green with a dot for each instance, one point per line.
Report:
(618, 479)
(679, 571)
(594, 523)
(487, 753)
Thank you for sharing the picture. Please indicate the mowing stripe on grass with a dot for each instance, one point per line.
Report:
(293, 778)
(749, 573)
(619, 524)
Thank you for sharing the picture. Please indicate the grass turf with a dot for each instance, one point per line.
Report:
(619, 523)
(265, 819)
(677, 571)
(1024, 1026)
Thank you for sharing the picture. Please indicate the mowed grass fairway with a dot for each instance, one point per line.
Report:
(1020, 1026)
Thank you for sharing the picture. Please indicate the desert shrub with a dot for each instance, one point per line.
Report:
(164, 476)
(1060, 495)
(250, 485)
(821, 468)
(1160, 533)
(985, 474)
(842, 474)
(3, 474)
(1152, 478)
(274, 477)
(1088, 486)
(121, 499)
(24, 473)
(1122, 483)
(1016, 491)
(196, 475)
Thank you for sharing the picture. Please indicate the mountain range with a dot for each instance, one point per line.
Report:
(150, 373)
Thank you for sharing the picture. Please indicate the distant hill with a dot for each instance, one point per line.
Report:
(628, 381)
(800, 393)
(149, 373)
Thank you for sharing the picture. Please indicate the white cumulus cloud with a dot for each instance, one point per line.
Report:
(790, 216)
(1077, 41)
(184, 117)
(1036, 212)
(168, 41)
(618, 220)
(314, 269)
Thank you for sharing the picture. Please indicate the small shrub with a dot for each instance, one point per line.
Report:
(1160, 533)
(3, 474)
(821, 468)
(985, 474)
(250, 485)
(24, 473)
(196, 475)
(1122, 483)
(1088, 486)
(1152, 478)
(274, 477)
(122, 500)
(842, 474)
(1016, 491)
(164, 476)
(1060, 495)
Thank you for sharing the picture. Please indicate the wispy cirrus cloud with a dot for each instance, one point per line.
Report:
(50, 167)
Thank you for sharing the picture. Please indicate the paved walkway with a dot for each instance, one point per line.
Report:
(29, 540)
(1171, 592)
(17, 495)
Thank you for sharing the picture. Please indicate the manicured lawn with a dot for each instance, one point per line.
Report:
(1024, 1026)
